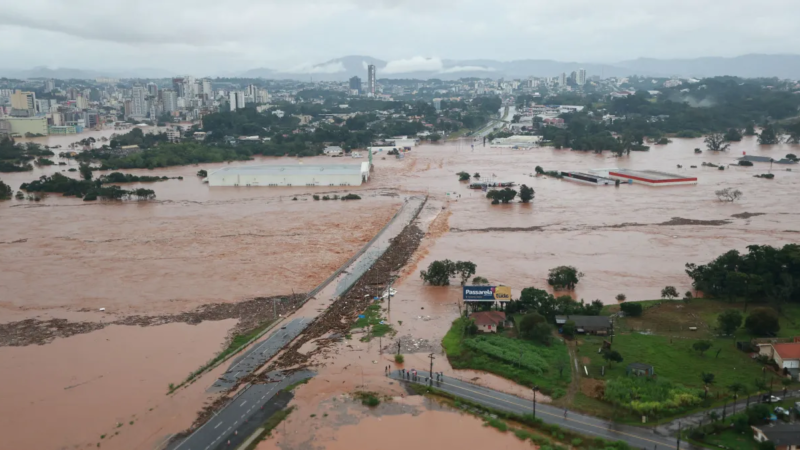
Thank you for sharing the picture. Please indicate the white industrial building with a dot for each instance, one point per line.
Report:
(291, 175)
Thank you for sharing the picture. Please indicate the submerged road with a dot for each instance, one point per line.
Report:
(637, 437)
(260, 353)
(242, 415)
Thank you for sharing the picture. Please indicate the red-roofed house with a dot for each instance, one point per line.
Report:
(786, 355)
(488, 321)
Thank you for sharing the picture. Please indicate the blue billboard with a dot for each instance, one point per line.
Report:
(487, 293)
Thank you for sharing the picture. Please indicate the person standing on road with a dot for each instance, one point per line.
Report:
(565, 413)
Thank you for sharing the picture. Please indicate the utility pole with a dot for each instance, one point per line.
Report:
(431, 377)
(678, 447)
(398, 346)
(535, 388)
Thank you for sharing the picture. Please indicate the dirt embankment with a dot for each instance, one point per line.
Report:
(337, 319)
(675, 221)
(250, 314)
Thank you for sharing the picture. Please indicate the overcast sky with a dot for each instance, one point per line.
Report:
(210, 37)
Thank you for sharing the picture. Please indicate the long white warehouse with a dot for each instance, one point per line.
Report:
(291, 175)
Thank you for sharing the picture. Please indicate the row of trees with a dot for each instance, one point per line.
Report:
(506, 195)
(86, 189)
(16, 157)
(440, 272)
(764, 273)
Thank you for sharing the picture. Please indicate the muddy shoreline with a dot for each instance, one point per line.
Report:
(249, 313)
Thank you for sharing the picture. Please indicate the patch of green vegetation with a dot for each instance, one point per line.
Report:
(276, 419)
(292, 386)
(496, 423)
(500, 355)
(399, 359)
(376, 325)
(731, 440)
(370, 399)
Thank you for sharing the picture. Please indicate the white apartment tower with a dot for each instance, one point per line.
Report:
(139, 101)
(581, 77)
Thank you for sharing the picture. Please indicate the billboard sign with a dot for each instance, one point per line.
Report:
(487, 293)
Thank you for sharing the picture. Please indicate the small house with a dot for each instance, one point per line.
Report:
(488, 321)
(600, 325)
(640, 370)
(785, 436)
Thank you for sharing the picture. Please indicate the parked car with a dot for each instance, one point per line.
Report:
(781, 412)
(797, 407)
(770, 398)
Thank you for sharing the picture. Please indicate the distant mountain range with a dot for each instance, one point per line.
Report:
(340, 69)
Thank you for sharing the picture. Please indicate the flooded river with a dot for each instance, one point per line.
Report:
(196, 245)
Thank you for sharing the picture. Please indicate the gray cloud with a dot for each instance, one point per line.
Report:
(209, 37)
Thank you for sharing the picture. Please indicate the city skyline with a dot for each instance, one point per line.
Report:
(575, 31)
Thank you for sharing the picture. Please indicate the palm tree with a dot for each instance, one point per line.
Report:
(760, 385)
(734, 389)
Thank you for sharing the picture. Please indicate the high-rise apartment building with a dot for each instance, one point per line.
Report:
(170, 100)
(236, 100)
(562, 79)
(152, 89)
(24, 102)
(206, 87)
(49, 85)
(372, 82)
(581, 77)
(139, 101)
(355, 85)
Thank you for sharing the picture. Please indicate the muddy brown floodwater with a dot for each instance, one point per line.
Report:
(196, 245)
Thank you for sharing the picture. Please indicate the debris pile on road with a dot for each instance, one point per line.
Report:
(410, 345)
(343, 312)
(250, 313)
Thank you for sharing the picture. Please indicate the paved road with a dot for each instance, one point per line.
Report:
(643, 438)
(741, 404)
(243, 415)
(260, 353)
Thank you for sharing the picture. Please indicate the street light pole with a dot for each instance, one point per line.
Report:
(535, 388)
(431, 373)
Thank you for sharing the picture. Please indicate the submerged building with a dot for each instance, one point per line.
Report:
(648, 177)
(291, 175)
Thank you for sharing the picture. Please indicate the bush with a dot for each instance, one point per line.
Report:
(351, 197)
(648, 396)
(399, 359)
(745, 163)
(631, 309)
(768, 176)
(762, 322)
(315, 197)
(621, 297)
(463, 176)
(370, 400)
(758, 414)
(202, 173)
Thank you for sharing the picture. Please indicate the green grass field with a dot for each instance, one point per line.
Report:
(673, 359)
(546, 367)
